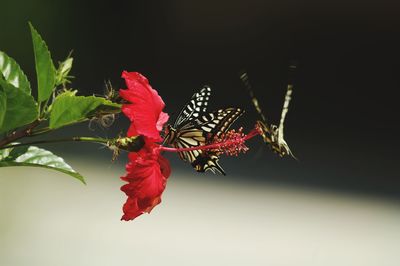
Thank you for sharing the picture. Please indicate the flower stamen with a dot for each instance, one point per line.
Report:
(230, 143)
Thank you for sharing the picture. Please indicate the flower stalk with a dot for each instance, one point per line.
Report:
(81, 139)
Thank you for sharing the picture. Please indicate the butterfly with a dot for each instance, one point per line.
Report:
(194, 126)
(272, 134)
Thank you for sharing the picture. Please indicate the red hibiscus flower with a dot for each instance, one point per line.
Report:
(147, 173)
(147, 170)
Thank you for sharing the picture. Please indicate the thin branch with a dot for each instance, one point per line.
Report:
(82, 139)
(19, 133)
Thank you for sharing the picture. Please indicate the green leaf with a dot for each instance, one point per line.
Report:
(13, 73)
(37, 157)
(4, 153)
(68, 109)
(3, 105)
(14, 153)
(20, 108)
(45, 70)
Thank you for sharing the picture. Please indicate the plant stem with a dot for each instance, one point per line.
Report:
(44, 106)
(19, 133)
(40, 131)
(83, 139)
(48, 129)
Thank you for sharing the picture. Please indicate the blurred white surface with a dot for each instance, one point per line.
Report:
(50, 219)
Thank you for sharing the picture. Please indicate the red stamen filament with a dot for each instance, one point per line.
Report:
(231, 143)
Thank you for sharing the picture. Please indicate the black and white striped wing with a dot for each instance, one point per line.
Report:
(218, 122)
(213, 125)
(194, 108)
(208, 161)
(281, 141)
(201, 160)
(246, 82)
(191, 137)
(285, 109)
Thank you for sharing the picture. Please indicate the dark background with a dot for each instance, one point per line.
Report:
(342, 123)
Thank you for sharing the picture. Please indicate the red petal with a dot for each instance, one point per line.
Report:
(145, 110)
(164, 166)
(162, 119)
(131, 210)
(147, 174)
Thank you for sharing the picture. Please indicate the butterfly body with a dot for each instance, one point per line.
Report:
(195, 127)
